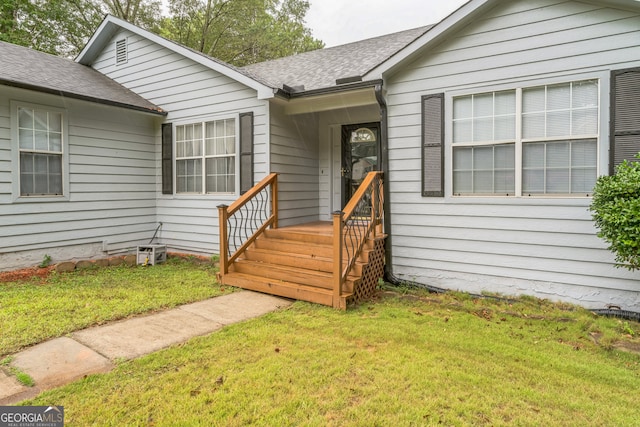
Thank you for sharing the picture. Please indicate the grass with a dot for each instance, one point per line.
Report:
(39, 309)
(412, 359)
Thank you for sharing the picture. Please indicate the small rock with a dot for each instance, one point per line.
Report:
(65, 267)
(84, 264)
(102, 262)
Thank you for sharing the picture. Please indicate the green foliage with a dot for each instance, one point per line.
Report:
(616, 211)
(241, 32)
(46, 261)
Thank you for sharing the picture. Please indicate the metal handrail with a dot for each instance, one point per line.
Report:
(246, 219)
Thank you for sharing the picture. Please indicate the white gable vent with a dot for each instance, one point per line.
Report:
(121, 51)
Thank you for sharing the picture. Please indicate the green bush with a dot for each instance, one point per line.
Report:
(616, 211)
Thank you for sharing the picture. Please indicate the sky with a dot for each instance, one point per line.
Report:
(337, 22)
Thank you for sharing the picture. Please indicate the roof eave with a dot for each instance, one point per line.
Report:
(328, 90)
(462, 14)
(110, 25)
(62, 93)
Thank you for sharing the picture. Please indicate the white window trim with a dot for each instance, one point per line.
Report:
(15, 154)
(231, 195)
(603, 76)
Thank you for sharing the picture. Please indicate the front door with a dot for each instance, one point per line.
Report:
(360, 153)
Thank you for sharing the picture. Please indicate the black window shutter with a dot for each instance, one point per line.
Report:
(167, 158)
(246, 152)
(625, 116)
(433, 145)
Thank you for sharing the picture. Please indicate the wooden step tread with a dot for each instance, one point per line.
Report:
(292, 274)
(281, 288)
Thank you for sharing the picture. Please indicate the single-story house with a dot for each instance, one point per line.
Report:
(489, 127)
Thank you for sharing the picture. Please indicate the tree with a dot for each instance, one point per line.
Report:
(616, 212)
(241, 32)
(63, 27)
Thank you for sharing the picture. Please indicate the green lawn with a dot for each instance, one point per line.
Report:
(39, 309)
(402, 360)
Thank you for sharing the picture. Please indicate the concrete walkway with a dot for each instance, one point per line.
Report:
(63, 360)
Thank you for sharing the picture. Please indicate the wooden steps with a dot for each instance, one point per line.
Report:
(294, 262)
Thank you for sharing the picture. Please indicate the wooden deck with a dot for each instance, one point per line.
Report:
(328, 263)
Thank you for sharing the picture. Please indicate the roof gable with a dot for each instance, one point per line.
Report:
(111, 25)
(462, 16)
(30, 69)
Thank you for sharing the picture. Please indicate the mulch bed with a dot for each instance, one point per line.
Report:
(25, 274)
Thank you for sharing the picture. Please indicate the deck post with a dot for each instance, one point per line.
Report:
(224, 250)
(337, 259)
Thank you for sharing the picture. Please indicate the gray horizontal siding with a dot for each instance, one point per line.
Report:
(112, 181)
(188, 91)
(545, 246)
(294, 155)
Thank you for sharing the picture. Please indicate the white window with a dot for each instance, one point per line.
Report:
(529, 141)
(40, 145)
(206, 157)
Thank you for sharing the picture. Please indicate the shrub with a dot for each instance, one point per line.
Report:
(616, 211)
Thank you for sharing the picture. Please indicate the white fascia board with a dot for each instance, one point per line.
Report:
(462, 13)
(111, 25)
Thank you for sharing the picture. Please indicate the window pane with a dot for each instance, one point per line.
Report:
(189, 176)
(40, 174)
(484, 170)
(533, 155)
(557, 154)
(505, 156)
(55, 142)
(533, 126)
(462, 182)
(462, 158)
(585, 122)
(25, 118)
(483, 182)
(557, 181)
(483, 129)
(462, 107)
(558, 123)
(25, 137)
(55, 122)
(221, 175)
(533, 99)
(462, 131)
(584, 153)
(483, 105)
(483, 158)
(559, 97)
(533, 181)
(505, 128)
(585, 94)
(40, 120)
(42, 140)
(505, 102)
(583, 180)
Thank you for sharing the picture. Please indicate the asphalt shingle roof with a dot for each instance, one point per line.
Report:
(319, 69)
(23, 67)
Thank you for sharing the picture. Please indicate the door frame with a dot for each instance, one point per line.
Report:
(347, 169)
